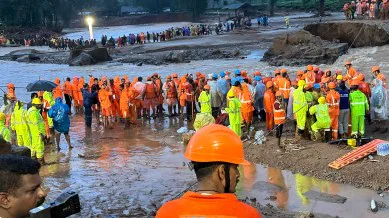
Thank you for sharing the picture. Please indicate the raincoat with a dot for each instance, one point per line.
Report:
(358, 106)
(205, 101)
(322, 117)
(59, 112)
(300, 107)
(37, 128)
(203, 119)
(20, 126)
(378, 101)
(216, 100)
(48, 97)
(234, 115)
(260, 89)
(4, 132)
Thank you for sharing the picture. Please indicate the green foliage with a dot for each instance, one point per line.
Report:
(311, 4)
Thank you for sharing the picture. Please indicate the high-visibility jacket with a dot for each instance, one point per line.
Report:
(351, 75)
(381, 77)
(358, 103)
(284, 87)
(279, 114)
(35, 122)
(80, 87)
(57, 92)
(171, 90)
(124, 99)
(68, 88)
(19, 121)
(75, 90)
(309, 77)
(4, 132)
(309, 97)
(205, 102)
(215, 205)
(333, 99)
(322, 115)
(104, 95)
(299, 101)
(246, 99)
(365, 89)
(151, 91)
(276, 81)
(268, 101)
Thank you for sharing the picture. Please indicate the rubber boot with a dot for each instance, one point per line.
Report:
(327, 136)
(316, 136)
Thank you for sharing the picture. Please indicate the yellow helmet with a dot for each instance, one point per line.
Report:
(301, 83)
(2, 116)
(36, 101)
(322, 100)
(339, 77)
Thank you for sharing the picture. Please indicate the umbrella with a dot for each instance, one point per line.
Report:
(41, 85)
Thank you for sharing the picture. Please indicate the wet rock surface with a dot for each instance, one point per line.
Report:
(303, 48)
(354, 34)
(82, 57)
(315, 195)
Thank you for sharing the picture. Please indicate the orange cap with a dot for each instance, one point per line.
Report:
(309, 67)
(331, 85)
(278, 93)
(338, 72)
(269, 84)
(347, 63)
(207, 87)
(355, 83)
(316, 69)
(375, 68)
(10, 85)
(216, 143)
(257, 73)
(283, 70)
(277, 71)
(57, 81)
(300, 73)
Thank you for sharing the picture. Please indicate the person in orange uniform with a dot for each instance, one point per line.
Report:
(299, 76)
(115, 98)
(181, 94)
(177, 81)
(247, 107)
(170, 89)
(57, 92)
(268, 101)
(104, 97)
(132, 98)
(333, 99)
(279, 115)
(124, 104)
(160, 99)
(309, 76)
(215, 152)
(76, 95)
(277, 76)
(68, 93)
(351, 73)
(11, 92)
(365, 89)
(284, 85)
(378, 75)
(81, 83)
(150, 98)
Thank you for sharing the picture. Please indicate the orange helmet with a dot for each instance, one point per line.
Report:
(175, 75)
(347, 63)
(309, 67)
(355, 83)
(10, 86)
(57, 81)
(338, 72)
(216, 143)
(331, 85)
(269, 84)
(257, 73)
(243, 73)
(316, 69)
(207, 87)
(375, 68)
(277, 71)
(300, 73)
(278, 93)
(294, 83)
(308, 86)
(283, 70)
(198, 74)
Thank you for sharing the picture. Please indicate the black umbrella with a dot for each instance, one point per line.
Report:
(41, 85)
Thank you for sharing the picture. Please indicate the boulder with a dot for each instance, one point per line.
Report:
(23, 58)
(176, 57)
(302, 48)
(355, 34)
(23, 52)
(82, 60)
(89, 56)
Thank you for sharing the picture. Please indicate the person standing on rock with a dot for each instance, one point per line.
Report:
(215, 153)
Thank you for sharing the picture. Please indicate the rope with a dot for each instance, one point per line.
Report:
(363, 25)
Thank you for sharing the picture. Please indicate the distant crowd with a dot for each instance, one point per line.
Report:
(371, 9)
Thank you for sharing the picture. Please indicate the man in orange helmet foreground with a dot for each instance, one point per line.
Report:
(215, 152)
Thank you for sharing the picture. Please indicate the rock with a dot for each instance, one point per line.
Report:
(178, 57)
(23, 58)
(82, 60)
(355, 34)
(303, 48)
(23, 52)
(139, 64)
(82, 57)
(235, 53)
(33, 57)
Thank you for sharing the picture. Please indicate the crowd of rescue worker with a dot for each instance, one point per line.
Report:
(364, 9)
(322, 104)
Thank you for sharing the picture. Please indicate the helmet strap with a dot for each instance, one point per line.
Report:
(227, 178)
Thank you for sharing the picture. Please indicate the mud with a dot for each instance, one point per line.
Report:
(325, 197)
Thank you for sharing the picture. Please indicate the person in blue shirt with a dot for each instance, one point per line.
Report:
(222, 89)
(260, 90)
(60, 114)
(344, 106)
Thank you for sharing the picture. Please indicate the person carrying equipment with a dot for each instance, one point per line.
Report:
(215, 154)
(279, 116)
(333, 99)
(323, 120)
(358, 106)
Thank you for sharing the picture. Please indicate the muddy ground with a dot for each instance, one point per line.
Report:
(312, 159)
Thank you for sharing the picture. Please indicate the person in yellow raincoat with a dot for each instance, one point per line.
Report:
(205, 100)
(300, 108)
(234, 113)
(4, 131)
(20, 126)
(37, 129)
(323, 120)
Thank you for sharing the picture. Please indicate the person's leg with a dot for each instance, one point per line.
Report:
(346, 123)
(67, 137)
(40, 148)
(354, 124)
(169, 109)
(58, 140)
(334, 127)
(361, 125)
(340, 122)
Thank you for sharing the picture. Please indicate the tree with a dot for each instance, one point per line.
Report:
(321, 7)
(272, 4)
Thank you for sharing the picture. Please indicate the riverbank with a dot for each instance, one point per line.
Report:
(312, 159)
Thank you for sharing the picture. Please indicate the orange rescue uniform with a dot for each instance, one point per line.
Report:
(247, 103)
(268, 101)
(333, 99)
